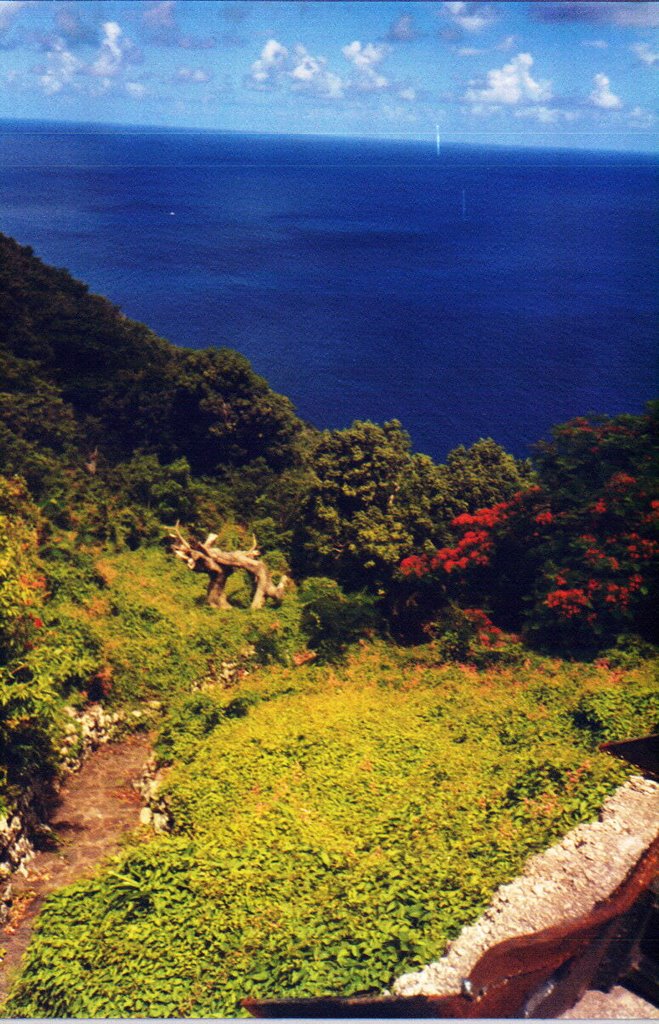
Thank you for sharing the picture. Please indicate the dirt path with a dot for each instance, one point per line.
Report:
(98, 805)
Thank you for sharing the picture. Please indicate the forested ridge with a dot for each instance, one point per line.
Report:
(486, 618)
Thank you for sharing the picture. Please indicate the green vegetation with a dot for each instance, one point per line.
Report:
(572, 560)
(198, 436)
(350, 774)
(331, 829)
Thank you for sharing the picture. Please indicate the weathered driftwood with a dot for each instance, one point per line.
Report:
(218, 565)
(92, 464)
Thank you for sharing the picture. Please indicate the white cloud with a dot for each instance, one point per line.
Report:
(305, 72)
(366, 59)
(311, 73)
(302, 70)
(136, 90)
(399, 113)
(511, 84)
(160, 22)
(645, 53)
(481, 109)
(601, 96)
(637, 15)
(507, 44)
(595, 44)
(470, 17)
(61, 68)
(110, 57)
(196, 75)
(640, 118)
(308, 67)
(468, 51)
(473, 22)
(547, 115)
(160, 15)
(269, 63)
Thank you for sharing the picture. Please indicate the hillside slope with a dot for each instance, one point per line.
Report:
(116, 385)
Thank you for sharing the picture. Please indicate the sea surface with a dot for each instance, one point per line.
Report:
(478, 292)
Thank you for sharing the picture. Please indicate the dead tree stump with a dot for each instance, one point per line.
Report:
(218, 566)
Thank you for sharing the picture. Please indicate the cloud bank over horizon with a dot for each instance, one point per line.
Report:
(578, 73)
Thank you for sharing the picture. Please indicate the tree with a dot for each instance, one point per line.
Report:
(127, 388)
(484, 475)
(370, 502)
(574, 559)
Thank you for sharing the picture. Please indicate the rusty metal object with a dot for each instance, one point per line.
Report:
(643, 976)
(379, 1007)
(538, 975)
(642, 752)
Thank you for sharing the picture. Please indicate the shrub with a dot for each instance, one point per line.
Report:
(331, 620)
(572, 561)
(613, 714)
(469, 635)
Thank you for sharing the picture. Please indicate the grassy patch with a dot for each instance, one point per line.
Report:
(337, 833)
(150, 626)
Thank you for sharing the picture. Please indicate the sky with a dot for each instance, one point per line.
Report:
(567, 73)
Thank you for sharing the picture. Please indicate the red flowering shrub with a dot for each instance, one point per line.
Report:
(573, 561)
(468, 635)
(568, 602)
(415, 565)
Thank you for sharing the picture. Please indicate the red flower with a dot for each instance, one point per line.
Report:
(415, 565)
(620, 481)
(567, 602)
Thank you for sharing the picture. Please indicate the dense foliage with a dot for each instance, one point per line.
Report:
(372, 500)
(117, 431)
(574, 559)
(123, 388)
(331, 829)
(341, 805)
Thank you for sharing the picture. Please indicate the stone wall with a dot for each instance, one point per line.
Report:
(21, 827)
(155, 811)
(564, 882)
(85, 731)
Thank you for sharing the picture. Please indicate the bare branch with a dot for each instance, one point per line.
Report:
(203, 557)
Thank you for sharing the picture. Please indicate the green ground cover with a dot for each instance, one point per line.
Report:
(333, 827)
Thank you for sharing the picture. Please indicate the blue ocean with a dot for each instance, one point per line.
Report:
(478, 292)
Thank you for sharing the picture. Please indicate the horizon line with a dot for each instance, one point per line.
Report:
(416, 137)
